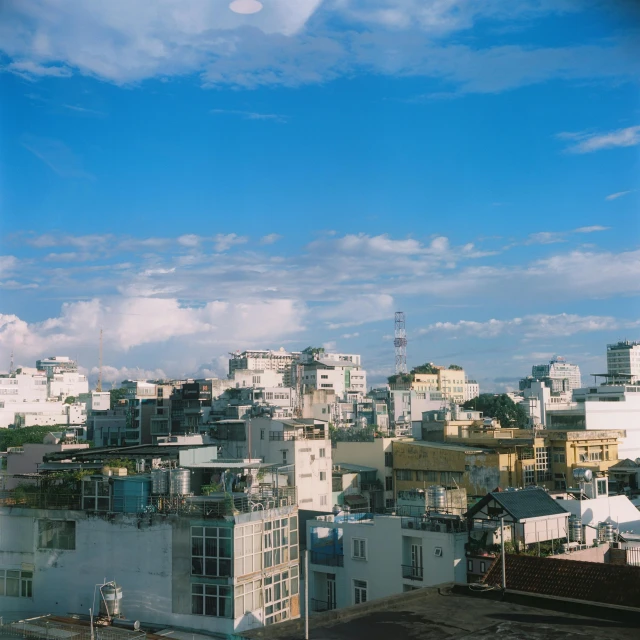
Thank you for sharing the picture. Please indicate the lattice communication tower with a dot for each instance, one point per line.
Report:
(400, 343)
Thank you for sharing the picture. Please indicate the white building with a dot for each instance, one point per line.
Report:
(299, 448)
(538, 398)
(214, 567)
(471, 390)
(602, 407)
(355, 558)
(56, 364)
(377, 454)
(561, 375)
(623, 359)
(280, 361)
(67, 383)
(344, 377)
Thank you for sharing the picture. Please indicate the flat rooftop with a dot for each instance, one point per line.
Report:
(444, 614)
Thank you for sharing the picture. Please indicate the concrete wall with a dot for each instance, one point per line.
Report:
(388, 548)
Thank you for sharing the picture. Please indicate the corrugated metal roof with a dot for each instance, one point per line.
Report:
(528, 503)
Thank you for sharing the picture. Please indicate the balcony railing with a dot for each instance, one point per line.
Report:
(293, 435)
(327, 559)
(411, 572)
(321, 605)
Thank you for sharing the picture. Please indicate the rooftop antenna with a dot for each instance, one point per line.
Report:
(400, 343)
(99, 387)
(11, 363)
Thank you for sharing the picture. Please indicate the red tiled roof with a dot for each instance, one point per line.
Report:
(588, 581)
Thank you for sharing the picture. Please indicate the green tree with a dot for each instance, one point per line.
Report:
(501, 407)
(26, 435)
(70, 400)
(455, 367)
(117, 395)
(427, 367)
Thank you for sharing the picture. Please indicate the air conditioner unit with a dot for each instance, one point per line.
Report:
(424, 526)
(438, 552)
(410, 524)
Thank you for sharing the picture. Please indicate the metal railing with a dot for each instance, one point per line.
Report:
(318, 606)
(205, 507)
(45, 629)
(327, 559)
(289, 435)
(411, 572)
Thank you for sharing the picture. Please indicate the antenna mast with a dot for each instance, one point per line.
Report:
(99, 387)
(400, 343)
(11, 363)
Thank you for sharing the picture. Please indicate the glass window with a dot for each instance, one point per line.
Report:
(360, 548)
(211, 600)
(57, 534)
(360, 591)
(211, 551)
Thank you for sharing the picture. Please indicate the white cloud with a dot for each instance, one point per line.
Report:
(349, 336)
(586, 142)
(115, 375)
(30, 70)
(546, 237)
(270, 238)
(223, 242)
(358, 310)
(189, 240)
(56, 155)
(592, 229)
(293, 42)
(7, 265)
(532, 326)
(619, 194)
(250, 115)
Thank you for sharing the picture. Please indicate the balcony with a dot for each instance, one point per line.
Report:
(327, 559)
(411, 572)
(318, 606)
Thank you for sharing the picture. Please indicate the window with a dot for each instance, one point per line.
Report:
(323, 500)
(293, 538)
(543, 473)
(247, 552)
(483, 566)
(276, 597)
(323, 476)
(404, 474)
(359, 548)
(248, 597)
(469, 565)
(388, 483)
(388, 458)
(322, 453)
(57, 534)
(275, 542)
(389, 503)
(284, 457)
(324, 377)
(211, 552)
(529, 474)
(359, 591)
(211, 600)
(601, 487)
(261, 434)
(16, 584)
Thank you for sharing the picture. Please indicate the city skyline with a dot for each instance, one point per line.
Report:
(207, 182)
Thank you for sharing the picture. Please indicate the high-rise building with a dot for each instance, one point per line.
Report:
(559, 374)
(265, 360)
(623, 359)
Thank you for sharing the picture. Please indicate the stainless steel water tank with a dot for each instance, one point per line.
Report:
(159, 482)
(180, 482)
(609, 533)
(110, 602)
(437, 498)
(582, 475)
(575, 529)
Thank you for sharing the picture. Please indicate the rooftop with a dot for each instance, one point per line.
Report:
(447, 614)
(522, 504)
(587, 581)
(447, 445)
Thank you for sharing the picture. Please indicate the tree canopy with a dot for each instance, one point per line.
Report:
(427, 367)
(117, 395)
(455, 367)
(26, 435)
(501, 407)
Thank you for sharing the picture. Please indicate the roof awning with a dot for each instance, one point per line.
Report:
(355, 499)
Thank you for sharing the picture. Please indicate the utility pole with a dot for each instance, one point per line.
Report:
(306, 594)
(504, 564)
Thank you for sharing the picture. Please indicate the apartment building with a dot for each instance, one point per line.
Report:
(449, 382)
(623, 361)
(216, 564)
(357, 557)
(280, 361)
(559, 375)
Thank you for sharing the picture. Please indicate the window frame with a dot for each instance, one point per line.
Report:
(360, 587)
(362, 548)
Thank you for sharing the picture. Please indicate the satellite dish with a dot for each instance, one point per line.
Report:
(245, 7)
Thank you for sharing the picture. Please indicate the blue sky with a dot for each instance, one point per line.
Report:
(194, 181)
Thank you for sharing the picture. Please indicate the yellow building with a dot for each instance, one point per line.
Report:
(448, 381)
(480, 460)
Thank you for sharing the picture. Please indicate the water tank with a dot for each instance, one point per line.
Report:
(437, 498)
(575, 529)
(160, 482)
(608, 532)
(602, 531)
(180, 482)
(131, 494)
(582, 475)
(111, 600)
